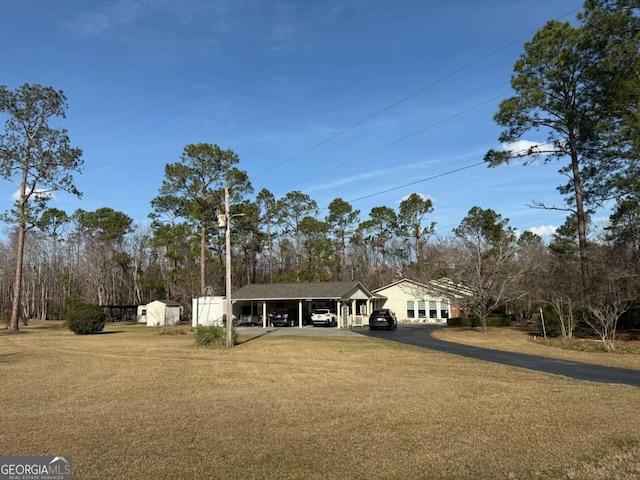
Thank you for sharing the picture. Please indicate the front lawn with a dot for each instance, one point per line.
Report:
(130, 403)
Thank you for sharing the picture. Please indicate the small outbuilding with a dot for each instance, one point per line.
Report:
(160, 313)
(207, 311)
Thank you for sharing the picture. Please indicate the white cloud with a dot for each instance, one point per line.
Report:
(421, 195)
(117, 13)
(602, 221)
(38, 193)
(409, 194)
(525, 149)
(522, 147)
(544, 230)
(342, 181)
(89, 24)
(123, 12)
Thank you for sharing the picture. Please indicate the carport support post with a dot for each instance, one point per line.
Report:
(264, 314)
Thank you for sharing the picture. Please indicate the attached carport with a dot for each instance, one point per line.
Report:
(351, 301)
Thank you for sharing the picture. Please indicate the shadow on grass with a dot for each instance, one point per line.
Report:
(8, 357)
(35, 327)
(254, 337)
(99, 333)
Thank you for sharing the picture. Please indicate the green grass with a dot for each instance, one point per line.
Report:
(130, 403)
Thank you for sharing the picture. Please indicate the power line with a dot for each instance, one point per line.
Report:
(418, 181)
(410, 96)
(449, 172)
(394, 142)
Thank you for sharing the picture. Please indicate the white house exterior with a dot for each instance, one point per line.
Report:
(207, 311)
(160, 313)
(417, 302)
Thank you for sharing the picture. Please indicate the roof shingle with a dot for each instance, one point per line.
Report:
(297, 291)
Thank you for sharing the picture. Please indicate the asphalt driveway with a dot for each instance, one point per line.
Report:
(420, 335)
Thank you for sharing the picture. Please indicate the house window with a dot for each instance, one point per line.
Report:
(411, 313)
(433, 310)
(422, 313)
(444, 312)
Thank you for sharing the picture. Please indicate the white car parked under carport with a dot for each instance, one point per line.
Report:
(323, 317)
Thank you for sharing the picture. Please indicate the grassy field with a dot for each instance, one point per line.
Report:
(130, 403)
(520, 340)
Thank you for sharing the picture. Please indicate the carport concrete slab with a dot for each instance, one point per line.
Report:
(297, 331)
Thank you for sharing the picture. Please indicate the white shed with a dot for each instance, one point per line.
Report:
(141, 316)
(207, 311)
(161, 313)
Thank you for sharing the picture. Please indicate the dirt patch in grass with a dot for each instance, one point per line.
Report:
(520, 340)
(141, 405)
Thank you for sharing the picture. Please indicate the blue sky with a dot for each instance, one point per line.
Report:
(272, 80)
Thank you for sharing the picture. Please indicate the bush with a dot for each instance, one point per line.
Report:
(173, 331)
(213, 335)
(468, 322)
(551, 322)
(630, 320)
(553, 327)
(474, 322)
(85, 318)
(499, 320)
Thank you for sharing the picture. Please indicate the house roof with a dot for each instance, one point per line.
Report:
(302, 290)
(398, 282)
(449, 287)
(444, 286)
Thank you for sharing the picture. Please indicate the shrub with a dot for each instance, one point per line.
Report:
(213, 335)
(499, 320)
(474, 322)
(85, 318)
(468, 322)
(552, 326)
(630, 320)
(173, 331)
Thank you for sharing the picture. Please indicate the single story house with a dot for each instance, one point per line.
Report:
(431, 302)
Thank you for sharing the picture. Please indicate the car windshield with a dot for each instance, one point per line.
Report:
(322, 311)
(381, 312)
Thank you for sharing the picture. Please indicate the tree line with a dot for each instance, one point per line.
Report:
(575, 88)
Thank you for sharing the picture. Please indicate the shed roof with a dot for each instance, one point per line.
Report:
(302, 290)
(168, 303)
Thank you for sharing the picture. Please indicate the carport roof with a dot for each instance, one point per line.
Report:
(300, 291)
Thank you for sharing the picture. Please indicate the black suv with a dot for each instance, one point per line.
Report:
(383, 318)
(283, 317)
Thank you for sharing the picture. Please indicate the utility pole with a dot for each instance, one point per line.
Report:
(229, 312)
